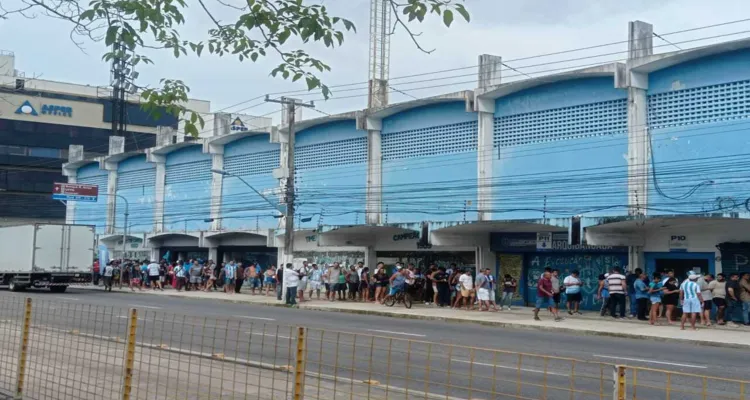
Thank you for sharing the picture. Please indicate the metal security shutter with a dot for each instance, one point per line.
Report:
(735, 257)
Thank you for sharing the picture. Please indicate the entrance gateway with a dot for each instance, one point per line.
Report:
(525, 255)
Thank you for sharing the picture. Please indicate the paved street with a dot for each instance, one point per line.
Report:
(417, 355)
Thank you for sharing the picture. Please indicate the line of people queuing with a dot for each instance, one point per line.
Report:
(700, 297)
(191, 275)
(440, 286)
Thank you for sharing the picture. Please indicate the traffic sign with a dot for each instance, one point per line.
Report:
(75, 192)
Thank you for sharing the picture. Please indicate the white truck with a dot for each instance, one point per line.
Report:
(50, 256)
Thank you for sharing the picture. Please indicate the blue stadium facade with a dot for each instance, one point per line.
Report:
(649, 154)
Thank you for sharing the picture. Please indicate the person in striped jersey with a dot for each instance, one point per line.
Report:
(691, 299)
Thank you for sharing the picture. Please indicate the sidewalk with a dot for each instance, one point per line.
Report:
(520, 317)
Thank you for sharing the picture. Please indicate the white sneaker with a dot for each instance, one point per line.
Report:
(508, 308)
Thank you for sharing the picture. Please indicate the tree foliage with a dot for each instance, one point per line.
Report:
(255, 29)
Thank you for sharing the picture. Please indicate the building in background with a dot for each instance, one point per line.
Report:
(643, 160)
(39, 120)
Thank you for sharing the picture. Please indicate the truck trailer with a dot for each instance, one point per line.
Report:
(50, 256)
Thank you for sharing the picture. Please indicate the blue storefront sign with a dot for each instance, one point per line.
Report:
(551, 250)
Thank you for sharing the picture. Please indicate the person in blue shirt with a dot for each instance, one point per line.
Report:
(654, 292)
(641, 296)
(603, 293)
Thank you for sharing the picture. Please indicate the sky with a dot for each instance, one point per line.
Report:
(511, 29)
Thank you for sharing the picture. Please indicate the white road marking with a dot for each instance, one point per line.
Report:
(536, 371)
(140, 306)
(396, 333)
(651, 361)
(68, 298)
(269, 335)
(264, 319)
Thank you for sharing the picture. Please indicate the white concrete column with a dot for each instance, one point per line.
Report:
(374, 193)
(159, 187)
(640, 45)
(485, 258)
(75, 153)
(489, 75)
(374, 200)
(371, 258)
(155, 253)
(112, 200)
(70, 207)
(217, 182)
(213, 254)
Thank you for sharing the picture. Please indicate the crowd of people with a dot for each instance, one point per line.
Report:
(700, 297)
(452, 287)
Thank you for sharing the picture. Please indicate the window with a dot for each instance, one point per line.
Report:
(44, 152)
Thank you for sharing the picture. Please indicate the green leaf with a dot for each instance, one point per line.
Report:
(284, 35)
(312, 82)
(448, 17)
(462, 10)
(88, 14)
(111, 35)
(349, 25)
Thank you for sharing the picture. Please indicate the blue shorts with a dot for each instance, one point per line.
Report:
(545, 301)
(228, 281)
(655, 299)
(395, 290)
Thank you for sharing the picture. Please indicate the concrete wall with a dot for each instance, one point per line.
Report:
(430, 164)
(331, 173)
(698, 114)
(93, 213)
(700, 239)
(253, 159)
(187, 191)
(547, 134)
(135, 182)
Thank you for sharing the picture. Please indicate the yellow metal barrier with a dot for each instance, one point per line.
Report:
(23, 352)
(61, 350)
(127, 381)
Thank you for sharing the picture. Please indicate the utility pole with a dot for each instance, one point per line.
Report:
(289, 195)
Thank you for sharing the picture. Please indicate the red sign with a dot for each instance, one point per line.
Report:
(75, 189)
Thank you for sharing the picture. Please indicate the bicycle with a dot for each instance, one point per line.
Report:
(400, 297)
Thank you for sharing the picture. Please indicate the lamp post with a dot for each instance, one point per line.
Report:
(125, 222)
(283, 210)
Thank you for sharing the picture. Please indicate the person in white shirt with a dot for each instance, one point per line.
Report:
(153, 275)
(302, 271)
(573, 286)
(291, 280)
(467, 289)
(108, 272)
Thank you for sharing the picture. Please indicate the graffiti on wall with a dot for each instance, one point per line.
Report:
(589, 266)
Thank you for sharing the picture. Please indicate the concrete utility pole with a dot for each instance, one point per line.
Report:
(289, 194)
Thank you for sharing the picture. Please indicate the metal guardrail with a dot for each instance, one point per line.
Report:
(56, 350)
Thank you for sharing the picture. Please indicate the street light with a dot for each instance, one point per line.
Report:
(222, 172)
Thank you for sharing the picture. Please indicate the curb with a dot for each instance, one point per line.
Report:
(499, 324)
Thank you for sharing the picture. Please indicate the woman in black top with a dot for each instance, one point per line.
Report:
(381, 282)
(671, 295)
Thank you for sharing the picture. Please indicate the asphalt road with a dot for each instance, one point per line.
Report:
(423, 356)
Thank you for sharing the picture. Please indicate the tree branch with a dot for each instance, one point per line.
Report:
(412, 35)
